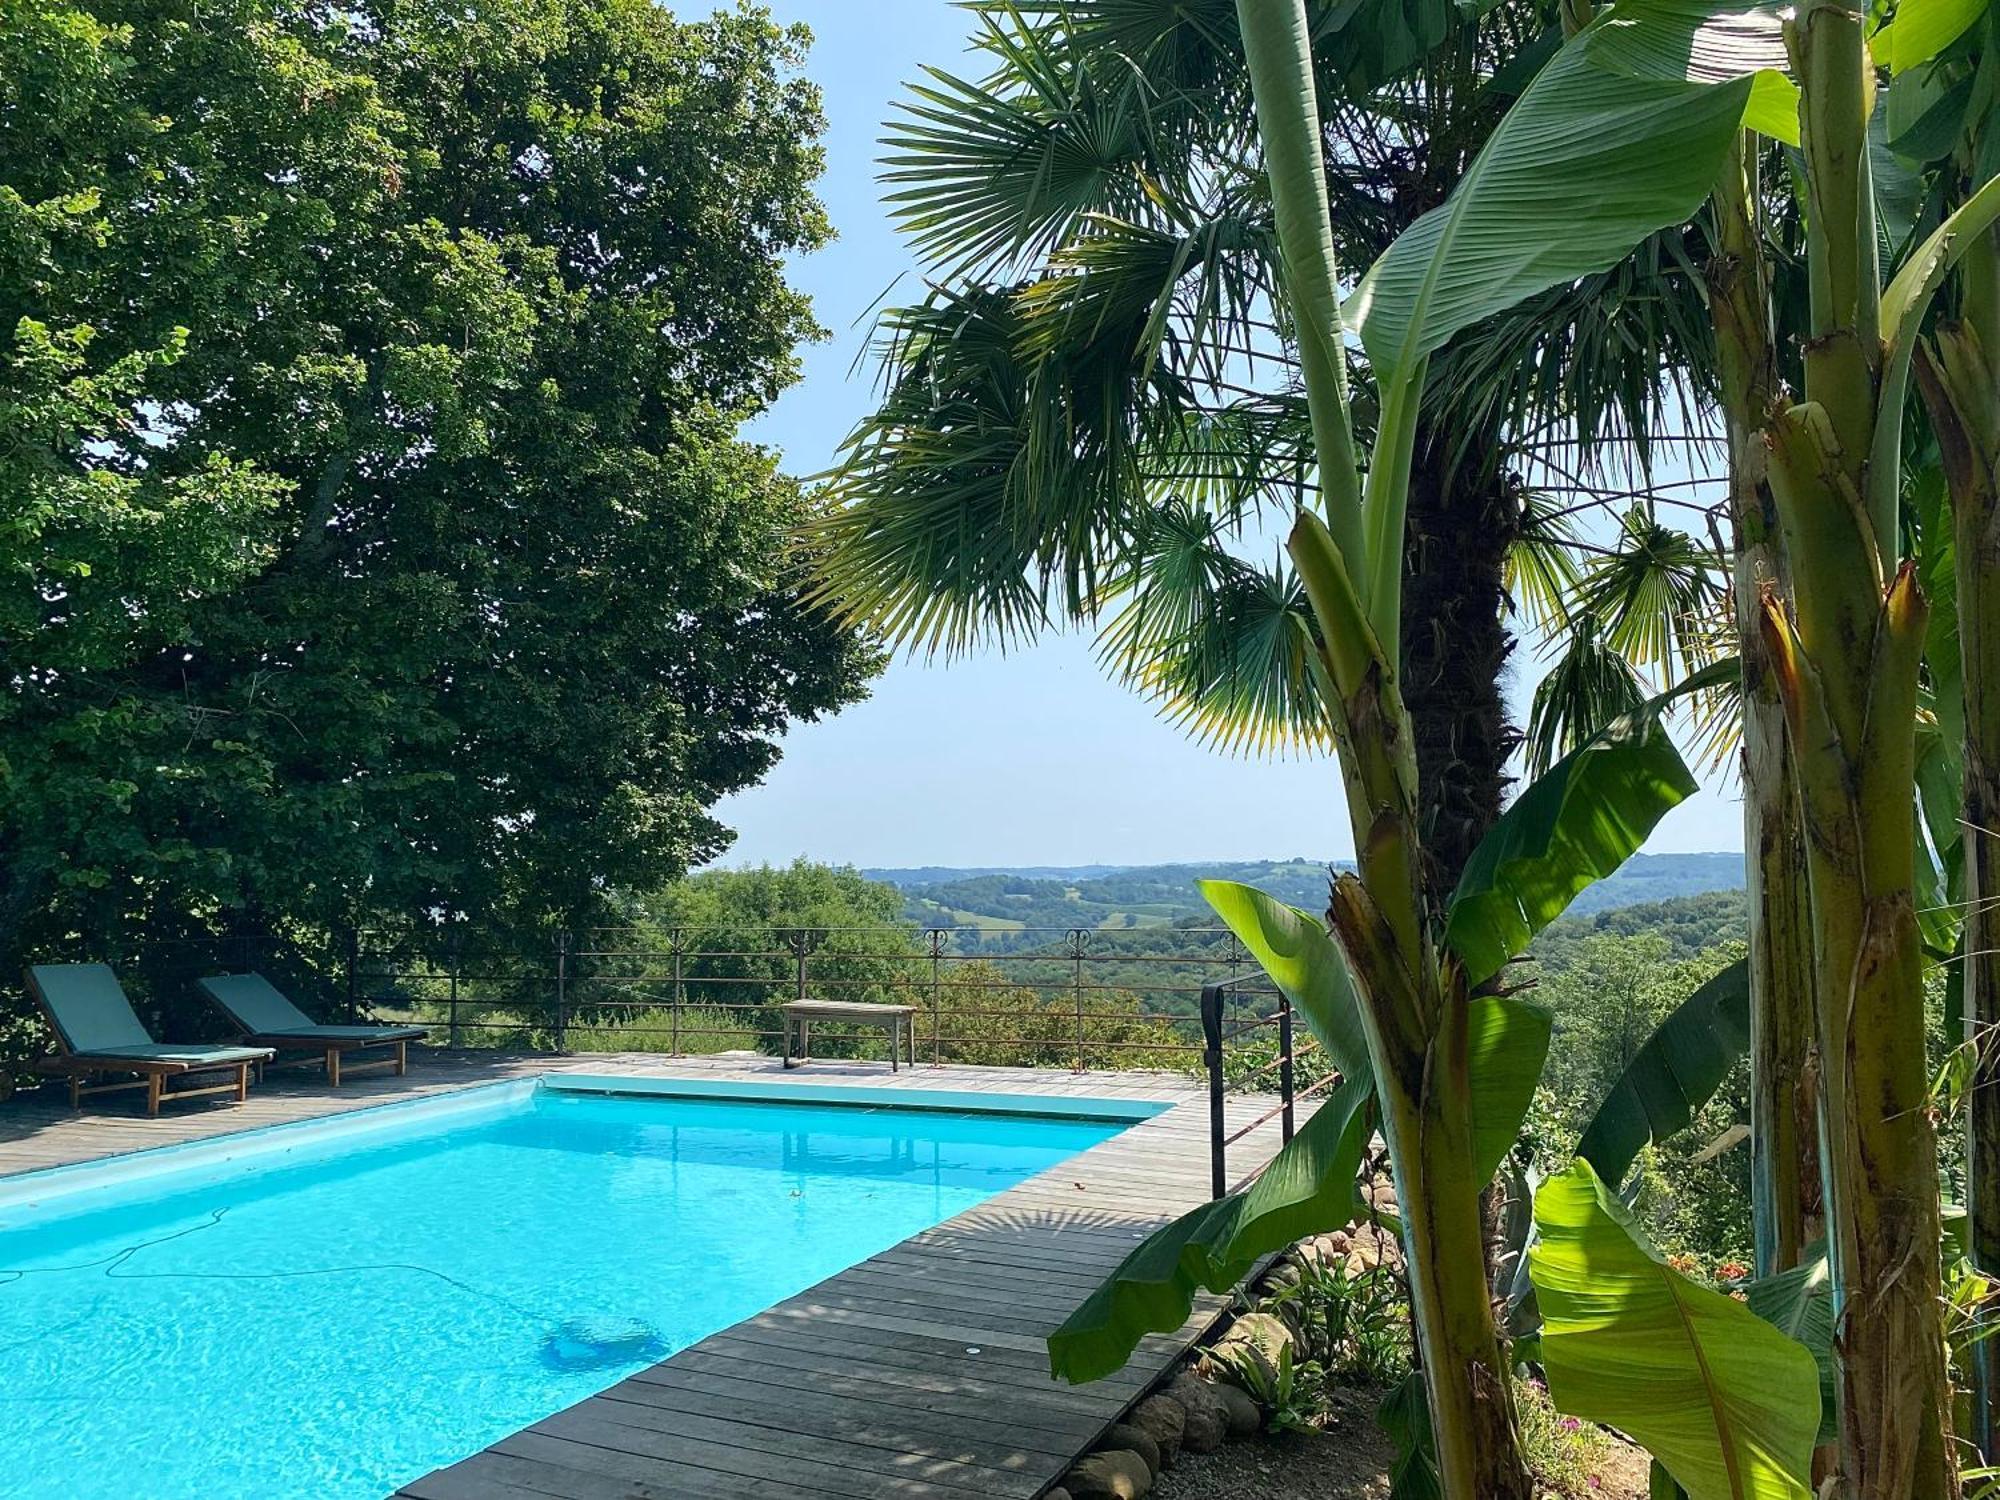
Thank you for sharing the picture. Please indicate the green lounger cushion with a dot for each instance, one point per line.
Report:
(351, 1033)
(261, 1009)
(193, 1057)
(96, 1020)
(89, 1008)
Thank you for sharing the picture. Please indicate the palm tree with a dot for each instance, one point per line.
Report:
(1135, 350)
(1100, 400)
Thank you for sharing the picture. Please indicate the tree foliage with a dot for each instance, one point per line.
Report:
(377, 537)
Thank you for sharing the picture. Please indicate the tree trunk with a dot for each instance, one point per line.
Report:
(1846, 658)
(1958, 383)
(1464, 513)
(1427, 1120)
(1784, 1139)
(1351, 565)
(1463, 516)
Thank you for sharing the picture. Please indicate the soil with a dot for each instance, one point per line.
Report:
(1347, 1459)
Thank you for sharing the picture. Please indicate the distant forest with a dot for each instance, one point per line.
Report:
(1028, 901)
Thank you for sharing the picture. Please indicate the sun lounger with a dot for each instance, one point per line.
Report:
(97, 1032)
(269, 1019)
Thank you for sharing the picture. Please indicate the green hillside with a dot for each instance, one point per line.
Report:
(1033, 905)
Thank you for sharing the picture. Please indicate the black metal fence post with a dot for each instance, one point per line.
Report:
(937, 941)
(1285, 1060)
(1078, 940)
(1211, 1033)
(562, 991)
(457, 948)
(674, 995)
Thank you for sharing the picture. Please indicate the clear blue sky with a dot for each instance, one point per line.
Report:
(1027, 758)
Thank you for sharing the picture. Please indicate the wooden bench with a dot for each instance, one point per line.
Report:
(900, 1021)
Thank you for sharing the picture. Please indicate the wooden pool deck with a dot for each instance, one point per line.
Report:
(918, 1373)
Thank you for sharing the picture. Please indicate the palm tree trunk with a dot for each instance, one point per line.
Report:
(1418, 1038)
(1463, 515)
(1784, 1142)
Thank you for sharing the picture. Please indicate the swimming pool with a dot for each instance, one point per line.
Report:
(334, 1309)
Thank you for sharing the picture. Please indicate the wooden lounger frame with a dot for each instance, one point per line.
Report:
(153, 1079)
(153, 1072)
(335, 1068)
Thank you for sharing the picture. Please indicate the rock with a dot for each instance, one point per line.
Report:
(1133, 1440)
(1162, 1419)
(1115, 1475)
(1323, 1250)
(1259, 1337)
(1058, 1493)
(1207, 1421)
(1371, 1248)
(1246, 1417)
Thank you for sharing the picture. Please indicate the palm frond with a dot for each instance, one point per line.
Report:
(1603, 364)
(1225, 647)
(926, 539)
(1194, 294)
(1657, 593)
(1542, 574)
(983, 175)
(1590, 686)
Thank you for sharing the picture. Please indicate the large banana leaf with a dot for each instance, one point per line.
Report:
(1677, 1071)
(1309, 1188)
(1507, 1040)
(1508, 1046)
(1573, 826)
(1922, 29)
(1622, 134)
(1726, 1402)
(1304, 961)
(1799, 1304)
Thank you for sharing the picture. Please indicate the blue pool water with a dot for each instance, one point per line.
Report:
(344, 1317)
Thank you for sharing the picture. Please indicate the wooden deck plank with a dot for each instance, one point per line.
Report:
(865, 1385)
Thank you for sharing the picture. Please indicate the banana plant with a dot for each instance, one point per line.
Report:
(1845, 652)
(1586, 814)
(1784, 1167)
(1945, 59)
(1417, 971)
(1725, 1401)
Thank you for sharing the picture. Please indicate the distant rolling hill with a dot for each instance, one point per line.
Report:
(1002, 899)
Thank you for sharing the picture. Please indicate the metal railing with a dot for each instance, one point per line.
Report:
(1289, 1057)
(1194, 1001)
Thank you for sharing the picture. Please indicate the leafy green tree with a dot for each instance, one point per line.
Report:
(737, 931)
(372, 380)
(1608, 994)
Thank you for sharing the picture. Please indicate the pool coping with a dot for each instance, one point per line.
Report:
(863, 1096)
